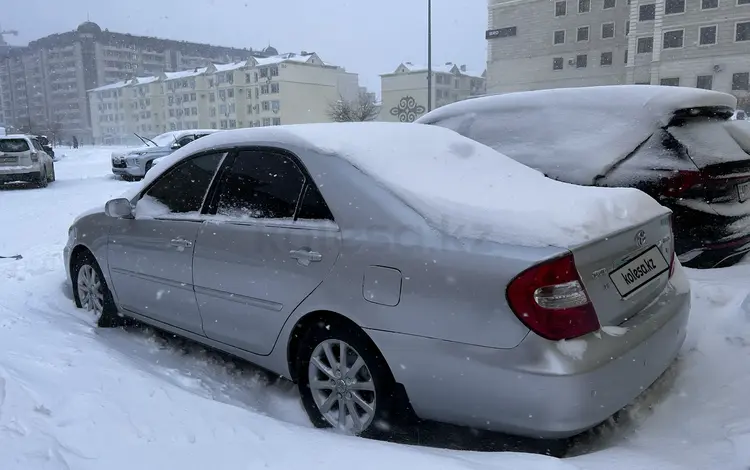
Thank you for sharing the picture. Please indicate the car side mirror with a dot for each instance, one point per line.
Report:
(119, 208)
(175, 146)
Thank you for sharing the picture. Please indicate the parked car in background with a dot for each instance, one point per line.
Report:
(135, 163)
(381, 265)
(739, 115)
(674, 143)
(23, 159)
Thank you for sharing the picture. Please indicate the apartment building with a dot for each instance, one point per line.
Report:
(404, 91)
(43, 85)
(538, 44)
(284, 89)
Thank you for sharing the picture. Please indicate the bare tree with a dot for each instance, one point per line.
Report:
(364, 108)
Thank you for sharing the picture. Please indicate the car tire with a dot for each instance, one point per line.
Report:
(42, 180)
(91, 292)
(372, 384)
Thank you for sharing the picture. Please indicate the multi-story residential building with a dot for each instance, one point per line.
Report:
(538, 44)
(283, 89)
(43, 85)
(404, 91)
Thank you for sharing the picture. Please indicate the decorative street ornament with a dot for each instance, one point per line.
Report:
(407, 110)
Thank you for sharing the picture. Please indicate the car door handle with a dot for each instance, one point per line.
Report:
(305, 257)
(181, 242)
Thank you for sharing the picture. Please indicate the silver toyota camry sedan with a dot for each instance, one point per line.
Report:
(385, 267)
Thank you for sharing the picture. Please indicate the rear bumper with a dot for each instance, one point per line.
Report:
(535, 389)
(28, 173)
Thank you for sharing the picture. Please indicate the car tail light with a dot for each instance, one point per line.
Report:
(551, 301)
(672, 256)
(681, 182)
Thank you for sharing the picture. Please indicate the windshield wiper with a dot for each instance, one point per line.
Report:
(144, 139)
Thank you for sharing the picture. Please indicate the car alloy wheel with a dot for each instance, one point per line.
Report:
(90, 290)
(342, 386)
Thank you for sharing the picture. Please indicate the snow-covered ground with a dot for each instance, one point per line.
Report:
(74, 397)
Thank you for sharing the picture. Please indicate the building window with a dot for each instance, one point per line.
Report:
(672, 7)
(707, 35)
(581, 61)
(583, 34)
(743, 2)
(266, 121)
(606, 59)
(742, 32)
(609, 4)
(608, 30)
(674, 39)
(557, 63)
(265, 106)
(276, 122)
(626, 56)
(274, 87)
(647, 12)
(559, 37)
(670, 82)
(705, 81)
(627, 28)
(561, 8)
(709, 4)
(584, 6)
(645, 45)
(741, 81)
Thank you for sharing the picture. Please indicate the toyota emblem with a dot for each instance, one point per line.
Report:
(640, 238)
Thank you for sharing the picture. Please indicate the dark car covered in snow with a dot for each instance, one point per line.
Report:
(678, 145)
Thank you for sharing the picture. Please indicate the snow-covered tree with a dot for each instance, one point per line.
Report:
(364, 108)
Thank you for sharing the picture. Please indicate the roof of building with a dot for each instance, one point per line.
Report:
(302, 58)
(89, 27)
(448, 67)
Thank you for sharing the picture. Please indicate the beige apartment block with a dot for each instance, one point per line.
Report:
(284, 89)
(539, 44)
(404, 91)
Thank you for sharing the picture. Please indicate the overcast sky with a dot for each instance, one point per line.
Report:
(368, 37)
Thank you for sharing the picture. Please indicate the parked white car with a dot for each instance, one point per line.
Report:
(22, 159)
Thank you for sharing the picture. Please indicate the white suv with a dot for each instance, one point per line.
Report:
(23, 159)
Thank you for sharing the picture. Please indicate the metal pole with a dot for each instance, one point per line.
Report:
(429, 55)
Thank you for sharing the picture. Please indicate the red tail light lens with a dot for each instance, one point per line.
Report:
(672, 257)
(551, 301)
(681, 182)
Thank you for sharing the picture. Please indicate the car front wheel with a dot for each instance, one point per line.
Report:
(344, 381)
(91, 292)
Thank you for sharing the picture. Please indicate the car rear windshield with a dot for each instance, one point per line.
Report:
(13, 145)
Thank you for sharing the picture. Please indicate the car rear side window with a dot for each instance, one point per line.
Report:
(182, 189)
(14, 145)
(260, 185)
(313, 206)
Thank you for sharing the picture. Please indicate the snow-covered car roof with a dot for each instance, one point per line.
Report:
(456, 184)
(574, 134)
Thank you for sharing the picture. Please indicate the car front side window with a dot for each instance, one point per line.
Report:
(260, 185)
(182, 189)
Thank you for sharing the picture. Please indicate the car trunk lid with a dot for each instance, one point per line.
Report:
(626, 271)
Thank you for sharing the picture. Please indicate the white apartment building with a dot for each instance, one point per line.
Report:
(404, 91)
(284, 89)
(538, 44)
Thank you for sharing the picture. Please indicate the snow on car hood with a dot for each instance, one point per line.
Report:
(458, 185)
(572, 134)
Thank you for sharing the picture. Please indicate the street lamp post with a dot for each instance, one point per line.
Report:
(429, 55)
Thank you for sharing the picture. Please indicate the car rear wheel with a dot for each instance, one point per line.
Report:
(344, 382)
(92, 293)
(42, 180)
